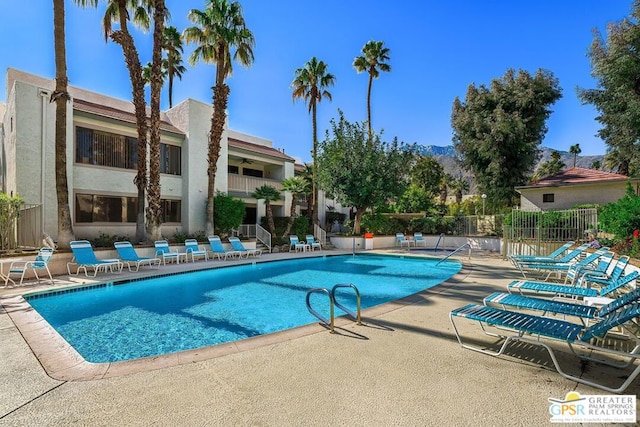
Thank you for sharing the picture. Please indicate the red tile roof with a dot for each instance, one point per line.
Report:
(574, 176)
(257, 148)
(117, 114)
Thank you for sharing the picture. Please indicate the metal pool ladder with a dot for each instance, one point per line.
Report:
(333, 302)
(466, 245)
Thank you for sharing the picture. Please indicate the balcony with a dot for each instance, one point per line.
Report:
(248, 184)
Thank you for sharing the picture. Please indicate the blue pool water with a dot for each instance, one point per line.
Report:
(193, 310)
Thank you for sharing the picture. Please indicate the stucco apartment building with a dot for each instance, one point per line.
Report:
(102, 158)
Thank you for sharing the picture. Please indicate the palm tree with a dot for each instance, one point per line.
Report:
(154, 208)
(459, 185)
(172, 45)
(268, 194)
(295, 185)
(595, 165)
(116, 11)
(575, 150)
(219, 29)
(61, 97)
(372, 61)
(310, 84)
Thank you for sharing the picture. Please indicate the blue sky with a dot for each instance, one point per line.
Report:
(438, 48)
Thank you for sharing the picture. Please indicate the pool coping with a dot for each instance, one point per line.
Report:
(62, 362)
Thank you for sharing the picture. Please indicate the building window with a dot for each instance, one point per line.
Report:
(233, 169)
(92, 208)
(95, 147)
(548, 198)
(117, 209)
(171, 211)
(252, 172)
(170, 159)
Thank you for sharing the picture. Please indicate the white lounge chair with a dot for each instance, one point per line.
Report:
(163, 250)
(84, 258)
(218, 249)
(237, 245)
(129, 256)
(191, 248)
(311, 241)
(418, 240)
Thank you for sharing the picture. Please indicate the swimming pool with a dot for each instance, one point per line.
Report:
(198, 309)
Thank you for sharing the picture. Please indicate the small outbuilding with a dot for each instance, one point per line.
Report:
(574, 186)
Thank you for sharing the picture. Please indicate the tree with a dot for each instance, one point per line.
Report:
(154, 204)
(359, 171)
(498, 130)
(372, 61)
(595, 165)
(229, 212)
(219, 30)
(615, 65)
(61, 98)
(116, 11)
(459, 185)
(550, 167)
(428, 174)
(295, 185)
(575, 150)
(310, 84)
(268, 194)
(172, 45)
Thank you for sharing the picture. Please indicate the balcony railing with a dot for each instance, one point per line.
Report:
(248, 184)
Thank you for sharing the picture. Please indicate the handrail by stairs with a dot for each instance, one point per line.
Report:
(263, 236)
(441, 237)
(330, 322)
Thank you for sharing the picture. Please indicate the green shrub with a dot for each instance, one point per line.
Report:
(622, 217)
(228, 213)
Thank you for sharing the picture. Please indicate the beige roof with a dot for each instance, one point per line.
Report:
(575, 176)
(261, 149)
(114, 113)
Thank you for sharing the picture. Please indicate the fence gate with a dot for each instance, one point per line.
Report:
(540, 232)
(29, 226)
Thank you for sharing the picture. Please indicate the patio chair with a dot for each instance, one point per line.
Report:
(218, 249)
(571, 260)
(595, 264)
(191, 248)
(296, 244)
(129, 256)
(85, 259)
(533, 330)
(21, 267)
(550, 257)
(402, 241)
(607, 278)
(566, 258)
(164, 251)
(551, 306)
(313, 244)
(418, 240)
(577, 291)
(237, 245)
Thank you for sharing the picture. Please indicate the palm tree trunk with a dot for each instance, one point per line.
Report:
(154, 210)
(292, 215)
(220, 99)
(272, 225)
(369, 107)
(65, 229)
(314, 175)
(124, 39)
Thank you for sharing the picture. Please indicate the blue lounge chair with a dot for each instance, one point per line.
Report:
(218, 249)
(191, 248)
(21, 267)
(608, 278)
(541, 258)
(402, 241)
(595, 264)
(534, 330)
(164, 251)
(573, 291)
(85, 259)
(296, 244)
(129, 256)
(549, 267)
(313, 244)
(419, 240)
(237, 245)
(569, 257)
(545, 305)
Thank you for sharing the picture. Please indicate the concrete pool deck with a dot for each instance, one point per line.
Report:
(403, 367)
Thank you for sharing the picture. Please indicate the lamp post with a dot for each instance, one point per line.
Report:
(484, 197)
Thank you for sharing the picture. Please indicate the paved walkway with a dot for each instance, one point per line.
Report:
(403, 367)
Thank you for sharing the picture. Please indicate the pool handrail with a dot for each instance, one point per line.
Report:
(456, 251)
